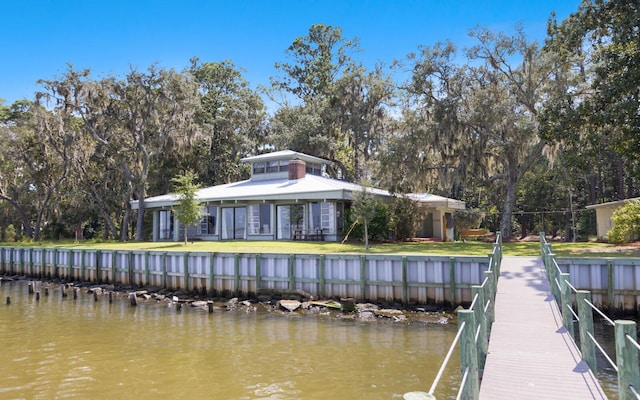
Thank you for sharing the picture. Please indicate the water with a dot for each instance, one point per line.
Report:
(71, 349)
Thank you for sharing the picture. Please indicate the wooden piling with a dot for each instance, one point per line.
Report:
(95, 295)
(8, 300)
(178, 306)
(133, 299)
(75, 293)
(110, 297)
(46, 291)
(210, 306)
(30, 286)
(38, 295)
(64, 290)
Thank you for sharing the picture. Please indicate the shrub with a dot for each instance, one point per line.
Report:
(10, 233)
(626, 223)
(405, 217)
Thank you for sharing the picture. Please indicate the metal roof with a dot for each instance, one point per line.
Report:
(311, 187)
(284, 155)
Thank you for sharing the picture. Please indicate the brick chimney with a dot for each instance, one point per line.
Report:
(297, 169)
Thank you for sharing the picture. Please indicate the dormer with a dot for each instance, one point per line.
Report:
(286, 164)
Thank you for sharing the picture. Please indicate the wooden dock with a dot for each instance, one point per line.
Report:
(531, 355)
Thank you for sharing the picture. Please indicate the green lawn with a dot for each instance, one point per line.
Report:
(473, 248)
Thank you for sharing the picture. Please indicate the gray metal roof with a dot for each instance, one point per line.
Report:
(311, 187)
(285, 155)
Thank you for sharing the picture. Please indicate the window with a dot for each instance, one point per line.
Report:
(259, 219)
(208, 225)
(258, 168)
(322, 216)
(233, 222)
(290, 218)
(272, 166)
(284, 166)
(165, 225)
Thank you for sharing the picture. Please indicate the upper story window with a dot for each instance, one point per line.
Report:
(270, 167)
(314, 169)
(259, 168)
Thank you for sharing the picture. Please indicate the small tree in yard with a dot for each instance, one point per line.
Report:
(189, 210)
(364, 211)
(626, 223)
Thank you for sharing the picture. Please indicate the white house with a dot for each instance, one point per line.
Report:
(286, 198)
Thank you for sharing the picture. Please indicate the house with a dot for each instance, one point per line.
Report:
(604, 212)
(286, 198)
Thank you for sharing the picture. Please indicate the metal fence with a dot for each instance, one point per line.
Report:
(407, 279)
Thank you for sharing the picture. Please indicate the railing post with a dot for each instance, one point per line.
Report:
(481, 322)
(627, 359)
(553, 277)
(565, 300)
(491, 290)
(469, 355)
(585, 314)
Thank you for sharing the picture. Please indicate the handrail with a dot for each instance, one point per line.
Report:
(434, 385)
(475, 324)
(627, 348)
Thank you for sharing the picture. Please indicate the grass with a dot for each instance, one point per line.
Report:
(472, 248)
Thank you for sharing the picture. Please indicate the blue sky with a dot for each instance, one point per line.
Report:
(41, 36)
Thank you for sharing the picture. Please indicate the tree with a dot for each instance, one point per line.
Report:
(464, 122)
(38, 169)
(189, 209)
(232, 119)
(596, 119)
(339, 110)
(132, 120)
(606, 35)
(363, 209)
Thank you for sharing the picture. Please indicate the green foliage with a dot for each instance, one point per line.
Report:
(467, 219)
(626, 223)
(405, 217)
(189, 210)
(10, 233)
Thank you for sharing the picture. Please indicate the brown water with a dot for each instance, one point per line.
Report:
(60, 348)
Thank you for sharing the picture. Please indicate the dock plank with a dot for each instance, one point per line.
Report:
(531, 355)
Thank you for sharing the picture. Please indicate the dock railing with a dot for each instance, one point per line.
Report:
(474, 327)
(569, 298)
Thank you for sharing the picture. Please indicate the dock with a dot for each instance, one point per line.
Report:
(531, 355)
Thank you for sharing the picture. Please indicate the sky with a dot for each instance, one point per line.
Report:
(41, 37)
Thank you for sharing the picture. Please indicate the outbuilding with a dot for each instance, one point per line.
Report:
(604, 212)
(287, 197)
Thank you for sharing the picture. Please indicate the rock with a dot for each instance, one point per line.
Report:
(366, 307)
(367, 315)
(388, 313)
(199, 303)
(246, 303)
(290, 305)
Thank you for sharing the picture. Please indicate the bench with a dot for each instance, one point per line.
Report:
(472, 233)
(308, 234)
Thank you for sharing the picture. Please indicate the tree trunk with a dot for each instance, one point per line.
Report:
(506, 224)
(140, 220)
(366, 235)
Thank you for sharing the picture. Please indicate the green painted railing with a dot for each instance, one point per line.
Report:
(474, 326)
(568, 297)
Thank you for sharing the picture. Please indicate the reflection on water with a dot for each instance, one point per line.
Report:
(64, 348)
